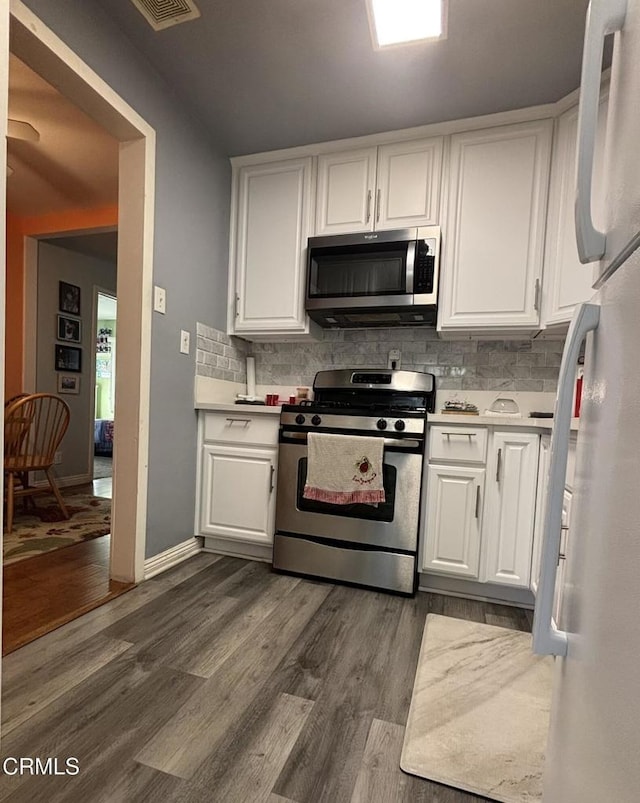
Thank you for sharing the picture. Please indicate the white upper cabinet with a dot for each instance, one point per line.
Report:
(567, 281)
(346, 186)
(511, 504)
(388, 187)
(494, 227)
(409, 175)
(272, 225)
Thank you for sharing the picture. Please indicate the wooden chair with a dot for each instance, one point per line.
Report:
(33, 429)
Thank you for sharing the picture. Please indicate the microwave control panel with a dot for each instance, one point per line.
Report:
(424, 267)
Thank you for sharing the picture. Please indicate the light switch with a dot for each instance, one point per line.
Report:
(185, 339)
(159, 299)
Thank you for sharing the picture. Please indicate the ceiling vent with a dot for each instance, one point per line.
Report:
(162, 14)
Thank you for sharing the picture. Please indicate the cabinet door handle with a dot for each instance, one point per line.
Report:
(603, 17)
(460, 434)
(547, 639)
(273, 471)
(244, 421)
(536, 298)
(237, 301)
(368, 206)
(477, 501)
(378, 199)
(499, 465)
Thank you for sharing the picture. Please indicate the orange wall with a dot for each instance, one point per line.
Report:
(38, 226)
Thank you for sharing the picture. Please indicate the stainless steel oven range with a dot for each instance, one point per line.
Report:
(368, 545)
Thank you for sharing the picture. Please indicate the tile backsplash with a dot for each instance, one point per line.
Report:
(220, 356)
(511, 365)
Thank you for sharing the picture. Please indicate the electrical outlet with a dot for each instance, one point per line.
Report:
(159, 299)
(394, 358)
(185, 339)
(57, 458)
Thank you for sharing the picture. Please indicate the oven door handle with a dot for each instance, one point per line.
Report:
(396, 443)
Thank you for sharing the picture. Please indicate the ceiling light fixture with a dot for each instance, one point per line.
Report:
(395, 22)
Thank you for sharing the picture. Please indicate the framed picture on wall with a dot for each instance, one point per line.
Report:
(68, 384)
(69, 298)
(69, 329)
(68, 358)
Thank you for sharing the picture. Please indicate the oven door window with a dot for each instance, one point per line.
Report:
(383, 512)
(363, 270)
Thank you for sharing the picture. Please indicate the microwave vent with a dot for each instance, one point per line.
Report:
(375, 317)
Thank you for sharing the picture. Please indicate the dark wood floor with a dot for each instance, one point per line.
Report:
(46, 591)
(220, 681)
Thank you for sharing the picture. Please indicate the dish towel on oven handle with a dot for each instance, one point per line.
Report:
(344, 469)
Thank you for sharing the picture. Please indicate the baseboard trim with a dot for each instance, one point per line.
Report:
(483, 592)
(235, 549)
(172, 556)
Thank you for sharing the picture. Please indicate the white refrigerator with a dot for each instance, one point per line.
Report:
(593, 753)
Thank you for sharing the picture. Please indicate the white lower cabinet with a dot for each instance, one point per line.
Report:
(454, 511)
(238, 492)
(479, 521)
(511, 505)
(236, 482)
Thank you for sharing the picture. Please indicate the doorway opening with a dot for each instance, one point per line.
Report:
(44, 53)
(106, 310)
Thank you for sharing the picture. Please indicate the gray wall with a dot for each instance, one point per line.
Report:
(515, 365)
(59, 264)
(193, 184)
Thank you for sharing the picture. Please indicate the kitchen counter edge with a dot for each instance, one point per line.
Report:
(246, 409)
(495, 421)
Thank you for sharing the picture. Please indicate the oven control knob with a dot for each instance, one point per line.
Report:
(299, 419)
(382, 424)
(316, 420)
(399, 425)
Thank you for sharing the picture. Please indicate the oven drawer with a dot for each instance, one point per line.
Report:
(458, 444)
(240, 427)
(368, 567)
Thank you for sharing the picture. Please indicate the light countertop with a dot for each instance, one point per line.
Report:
(497, 421)
(246, 409)
(433, 418)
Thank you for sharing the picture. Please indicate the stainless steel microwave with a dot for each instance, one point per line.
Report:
(384, 278)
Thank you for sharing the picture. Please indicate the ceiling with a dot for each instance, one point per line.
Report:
(102, 245)
(266, 74)
(74, 165)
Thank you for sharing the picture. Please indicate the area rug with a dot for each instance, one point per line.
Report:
(479, 713)
(44, 529)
